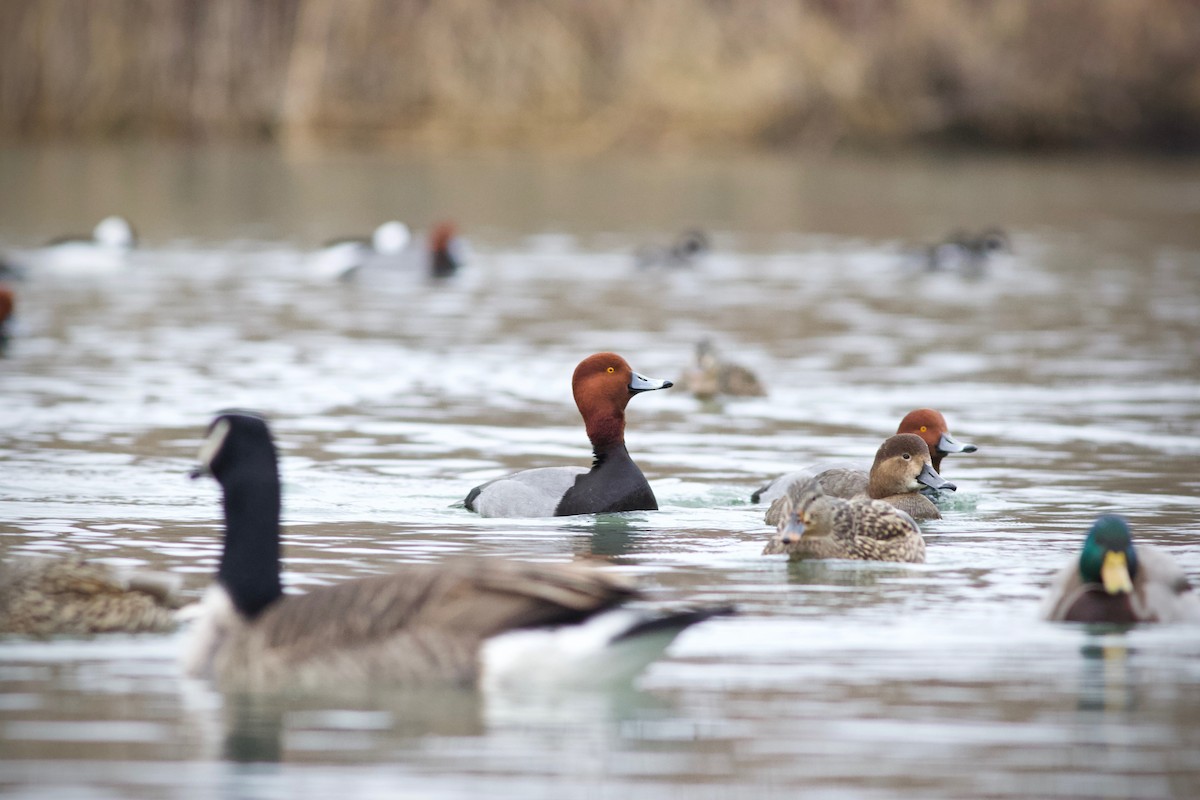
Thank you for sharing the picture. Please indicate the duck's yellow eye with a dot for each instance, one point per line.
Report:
(923, 429)
(611, 370)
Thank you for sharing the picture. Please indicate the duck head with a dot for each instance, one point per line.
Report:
(238, 452)
(805, 515)
(390, 238)
(903, 465)
(931, 426)
(1108, 557)
(603, 384)
(445, 250)
(114, 233)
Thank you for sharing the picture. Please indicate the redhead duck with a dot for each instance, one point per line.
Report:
(931, 426)
(109, 246)
(813, 524)
(683, 252)
(456, 623)
(927, 423)
(7, 304)
(445, 250)
(966, 253)
(602, 385)
(1112, 580)
(711, 377)
(902, 467)
(391, 248)
(69, 596)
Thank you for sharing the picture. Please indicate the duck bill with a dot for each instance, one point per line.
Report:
(640, 383)
(1114, 574)
(932, 480)
(946, 445)
(791, 530)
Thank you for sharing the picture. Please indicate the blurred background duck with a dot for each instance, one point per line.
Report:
(967, 253)
(1114, 581)
(108, 247)
(8, 304)
(813, 524)
(391, 248)
(685, 251)
(460, 622)
(69, 596)
(710, 376)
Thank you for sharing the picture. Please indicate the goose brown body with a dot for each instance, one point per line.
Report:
(69, 596)
(418, 625)
(814, 525)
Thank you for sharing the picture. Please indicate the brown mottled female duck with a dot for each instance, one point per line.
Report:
(813, 524)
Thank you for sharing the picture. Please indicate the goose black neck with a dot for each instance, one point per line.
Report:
(249, 568)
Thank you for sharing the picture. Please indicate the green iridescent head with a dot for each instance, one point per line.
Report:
(1108, 556)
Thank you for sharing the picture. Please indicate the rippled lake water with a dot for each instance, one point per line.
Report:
(1072, 364)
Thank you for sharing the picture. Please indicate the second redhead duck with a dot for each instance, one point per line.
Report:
(902, 469)
(602, 384)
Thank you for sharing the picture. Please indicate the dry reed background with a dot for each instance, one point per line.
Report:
(594, 75)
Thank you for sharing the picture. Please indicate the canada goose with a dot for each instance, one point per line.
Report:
(69, 596)
(1111, 580)
(813, 524)
(420, 624)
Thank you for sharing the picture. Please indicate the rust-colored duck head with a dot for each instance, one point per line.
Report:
(602, 385)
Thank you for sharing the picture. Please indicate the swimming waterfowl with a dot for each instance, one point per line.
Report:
(8, 302)
(109, 246)
(683, 252)
(931, 426)
(927, 423)
(967, 253)
(391, 248)
(1112, 580)
(813, 524)
(602, 384)
(342, 258)
(902, 468)
(70, 596)
(710, 376)
(453, 623)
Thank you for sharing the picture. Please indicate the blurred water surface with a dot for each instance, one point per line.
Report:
(1072, 364)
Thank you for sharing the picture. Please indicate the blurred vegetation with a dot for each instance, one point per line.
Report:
(595, 75)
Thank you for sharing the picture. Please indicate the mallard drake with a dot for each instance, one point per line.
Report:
(1113, 580)
(813, 524)
(901, 470)
(710, 376)
(447, 623)
(70, 596)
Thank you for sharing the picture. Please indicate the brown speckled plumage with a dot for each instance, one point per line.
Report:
(833, 527)
(68, 596)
